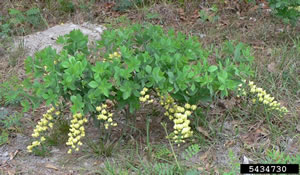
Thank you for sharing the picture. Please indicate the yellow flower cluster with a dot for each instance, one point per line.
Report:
(77, 131)
(43, 125)
(46, 71)
(145, 97)
(260, 95)
(105, 115)
(113, 55)
(241, 90)
(265, 98)
(179, 115)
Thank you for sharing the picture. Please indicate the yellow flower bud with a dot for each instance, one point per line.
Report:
(185, 130)
(104, 111)
(188, 113)
(171, 110)
(187, 106)
(98, 108)
(142, 93)
(69, 151)
(43, 139)
(80, 122)
(193, 107)
(76, 125)
(259, 90)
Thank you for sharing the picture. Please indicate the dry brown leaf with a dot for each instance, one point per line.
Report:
(13, 155)
(298, 128)
(227, 104)
(272, 67)
(50, 166)
(202, 131)
(11, 172)
(207, 167)
(229, 143)
(204, 156)
(254, 135)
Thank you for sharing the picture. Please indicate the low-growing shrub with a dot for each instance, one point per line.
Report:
(288, 10)
(18, 22)
(138, 64)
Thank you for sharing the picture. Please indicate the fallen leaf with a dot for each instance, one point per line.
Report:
(298, 128)
(13, 155)
(202, 131)
(255, 135)
(11, 172)
(229, 143)
(50, 166)
(227, 104)
(204, 156)
(269, 51)
(207, 167)
(272, 67)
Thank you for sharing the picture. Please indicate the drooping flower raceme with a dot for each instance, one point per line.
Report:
(43, 125)
(105, 115)
(145, 98)
(77, 131)
(261, 96)
(179, 115)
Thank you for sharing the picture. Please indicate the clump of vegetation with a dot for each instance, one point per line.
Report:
(288, 10)
(259, 95)
(11, 91)
(19, 23)
(8, 122)
(138, 64)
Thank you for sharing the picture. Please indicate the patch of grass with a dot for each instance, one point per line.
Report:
(59, 133)
(19, 22)
(101, 148)
(162, 153)
(3, 137)
(8, 125)
(279, 157)
(11, 91)
(42, 151)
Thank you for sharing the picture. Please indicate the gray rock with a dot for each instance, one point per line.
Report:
(41, 40)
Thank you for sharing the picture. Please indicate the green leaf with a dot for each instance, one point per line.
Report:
(157, 74)
(126, 88)
(26, 105)
(93, 84)
(212, 68)
(105, 87)
(65, 64)
(148, 69)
